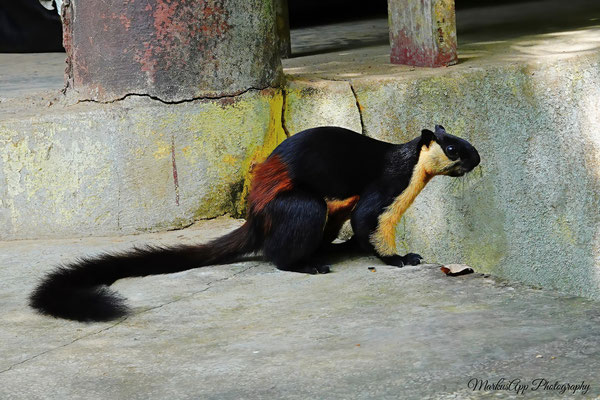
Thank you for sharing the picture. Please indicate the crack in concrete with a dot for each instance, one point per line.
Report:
(190, 100)
(62, 346)
(209, 285)
(358, 106)
(119, 190)
(284, 99)
(175, 174)
(362, 122)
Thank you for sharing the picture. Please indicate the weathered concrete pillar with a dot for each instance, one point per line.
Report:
(283, 28)
(422, 32)
(171, 49)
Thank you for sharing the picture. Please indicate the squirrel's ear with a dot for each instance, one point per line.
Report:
(439, 129)
(427, 137)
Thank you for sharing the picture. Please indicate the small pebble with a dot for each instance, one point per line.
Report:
(539, 356)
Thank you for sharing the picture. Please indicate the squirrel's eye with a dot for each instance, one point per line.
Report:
(452, 152)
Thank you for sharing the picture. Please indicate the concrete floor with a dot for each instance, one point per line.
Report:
(247, 331)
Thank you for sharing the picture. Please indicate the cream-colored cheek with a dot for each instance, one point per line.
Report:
(435, 160)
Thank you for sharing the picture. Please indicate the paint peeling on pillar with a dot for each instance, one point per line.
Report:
(171, 49)
(423, 32)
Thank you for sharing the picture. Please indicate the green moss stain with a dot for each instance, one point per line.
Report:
(564, 230)
(228, 140)
(274, 135)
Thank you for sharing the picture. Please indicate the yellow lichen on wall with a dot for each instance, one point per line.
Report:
(275, 135)
(216, 141)
(229, 140)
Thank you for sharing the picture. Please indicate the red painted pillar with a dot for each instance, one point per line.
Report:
(422, 32)
(170, 49)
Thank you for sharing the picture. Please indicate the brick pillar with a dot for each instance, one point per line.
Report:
(170, 49)
(422, 32)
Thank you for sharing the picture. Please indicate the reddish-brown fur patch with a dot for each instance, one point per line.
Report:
(341, 207)
(338, 211)
(270, 178)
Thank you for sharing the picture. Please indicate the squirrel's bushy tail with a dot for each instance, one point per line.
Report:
(79, 291)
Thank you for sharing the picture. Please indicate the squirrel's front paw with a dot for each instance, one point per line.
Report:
(395, 260)
(412, 259)
(401, 261)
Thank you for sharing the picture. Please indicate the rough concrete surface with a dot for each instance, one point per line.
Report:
(308, 104)
(26, 74)
(249, 331)
(133, 166)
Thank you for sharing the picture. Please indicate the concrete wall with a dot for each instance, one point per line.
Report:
(132, 165)
(531, 211)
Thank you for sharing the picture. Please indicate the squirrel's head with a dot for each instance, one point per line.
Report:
(445, 154)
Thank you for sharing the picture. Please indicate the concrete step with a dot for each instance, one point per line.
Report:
(247, 330)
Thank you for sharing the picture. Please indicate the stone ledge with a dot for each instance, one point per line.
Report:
(132, 165)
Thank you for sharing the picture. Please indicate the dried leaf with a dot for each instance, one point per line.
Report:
(456, 269)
